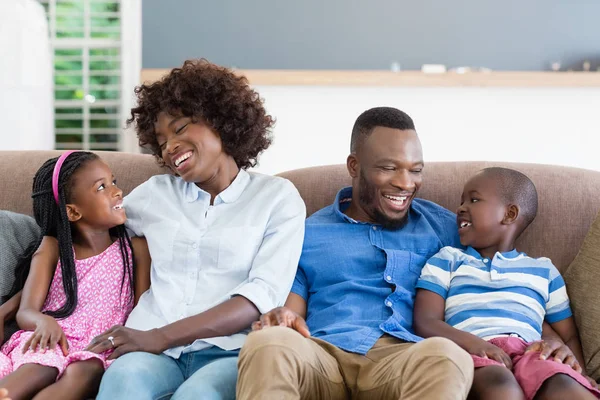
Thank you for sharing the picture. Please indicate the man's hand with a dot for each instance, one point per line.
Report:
(481, 348)
(47, 335)
(126, 340)
(557, 351)
(282, 316)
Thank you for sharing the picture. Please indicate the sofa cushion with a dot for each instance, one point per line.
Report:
(582, 279)
(18, 232)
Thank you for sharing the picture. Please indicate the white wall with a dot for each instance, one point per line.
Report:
(26, 95)
(537, 125)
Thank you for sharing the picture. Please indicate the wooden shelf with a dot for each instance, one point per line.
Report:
(408, 78)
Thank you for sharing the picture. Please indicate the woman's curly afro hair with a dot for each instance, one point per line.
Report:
(215, 95)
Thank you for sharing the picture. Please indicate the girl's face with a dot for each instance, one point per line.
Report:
(96, 201)
(192, 150)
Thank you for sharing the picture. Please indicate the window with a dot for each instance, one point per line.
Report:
(96, 56)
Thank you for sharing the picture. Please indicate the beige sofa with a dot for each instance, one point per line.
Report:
(569, 197)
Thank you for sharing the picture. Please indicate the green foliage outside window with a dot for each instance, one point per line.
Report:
(103, 79)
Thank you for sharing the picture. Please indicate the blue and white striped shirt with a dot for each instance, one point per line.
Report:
(510, 294)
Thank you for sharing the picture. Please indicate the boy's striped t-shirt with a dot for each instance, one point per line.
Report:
(509, 294)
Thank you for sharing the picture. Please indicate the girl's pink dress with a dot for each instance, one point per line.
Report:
(104, 300)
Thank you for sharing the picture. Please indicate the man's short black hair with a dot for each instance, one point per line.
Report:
(388, 117)
(516, 188)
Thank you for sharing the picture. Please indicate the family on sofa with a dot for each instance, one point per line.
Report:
(381, 295)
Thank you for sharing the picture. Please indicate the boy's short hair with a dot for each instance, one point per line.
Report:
(515, 187)
(387, 117)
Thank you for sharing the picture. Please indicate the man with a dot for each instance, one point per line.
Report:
(355, 287)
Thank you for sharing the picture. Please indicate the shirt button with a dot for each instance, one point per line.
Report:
(388, 278)
(485, 260)
(195, 246)
(374, 228)
(388, 303)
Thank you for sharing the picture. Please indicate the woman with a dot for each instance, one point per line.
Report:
(224, 242)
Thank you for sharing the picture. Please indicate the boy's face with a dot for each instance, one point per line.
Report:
(481, 213)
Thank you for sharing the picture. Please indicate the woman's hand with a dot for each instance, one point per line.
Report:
(481, 348)
(126, 340)
(47, 335)
(282, 316)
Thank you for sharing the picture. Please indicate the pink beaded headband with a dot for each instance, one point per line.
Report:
(56, 172)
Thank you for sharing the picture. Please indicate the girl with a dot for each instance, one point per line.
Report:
(79, 284)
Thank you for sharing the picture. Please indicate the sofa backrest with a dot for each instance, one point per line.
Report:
(17, 169)
(569, 197)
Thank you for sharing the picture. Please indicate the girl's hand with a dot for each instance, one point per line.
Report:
(47, 335)
(4, 394)
(591, 381)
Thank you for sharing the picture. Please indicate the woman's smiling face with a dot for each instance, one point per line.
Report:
(191, 149)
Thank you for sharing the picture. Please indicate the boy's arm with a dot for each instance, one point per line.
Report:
(142, 266)
(429, 321)
(567, 331)
(559, 322)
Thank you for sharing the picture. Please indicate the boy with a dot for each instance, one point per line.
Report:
(492, 300)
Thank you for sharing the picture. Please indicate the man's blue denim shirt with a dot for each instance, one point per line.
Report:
(359, 279)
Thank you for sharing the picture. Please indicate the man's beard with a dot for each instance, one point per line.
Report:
(366, 199)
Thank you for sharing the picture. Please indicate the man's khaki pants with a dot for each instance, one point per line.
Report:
(279, 363)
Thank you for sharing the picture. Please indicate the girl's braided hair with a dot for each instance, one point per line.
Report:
(53, 221)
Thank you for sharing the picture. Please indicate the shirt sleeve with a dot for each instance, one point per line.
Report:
(557, 306)
(435, 275)
(449, 229)
(300, 286)
(135, 203)
(276, 261)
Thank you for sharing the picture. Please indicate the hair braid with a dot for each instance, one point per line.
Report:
(53, 221)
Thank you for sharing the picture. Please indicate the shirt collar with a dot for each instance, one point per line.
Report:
(508, 254)
(229, 195)
(342, 202)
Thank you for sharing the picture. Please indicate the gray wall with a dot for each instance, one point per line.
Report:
(371, 34)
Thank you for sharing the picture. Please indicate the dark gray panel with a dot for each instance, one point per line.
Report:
(371, 34)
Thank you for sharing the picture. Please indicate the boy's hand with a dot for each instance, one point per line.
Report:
(484, 349)
(47, 335)
(557, 351)
(282, 316)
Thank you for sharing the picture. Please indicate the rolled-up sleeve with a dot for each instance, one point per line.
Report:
(135, 203)
(276, 261)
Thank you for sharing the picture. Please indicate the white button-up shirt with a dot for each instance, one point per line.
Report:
(248, 243)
